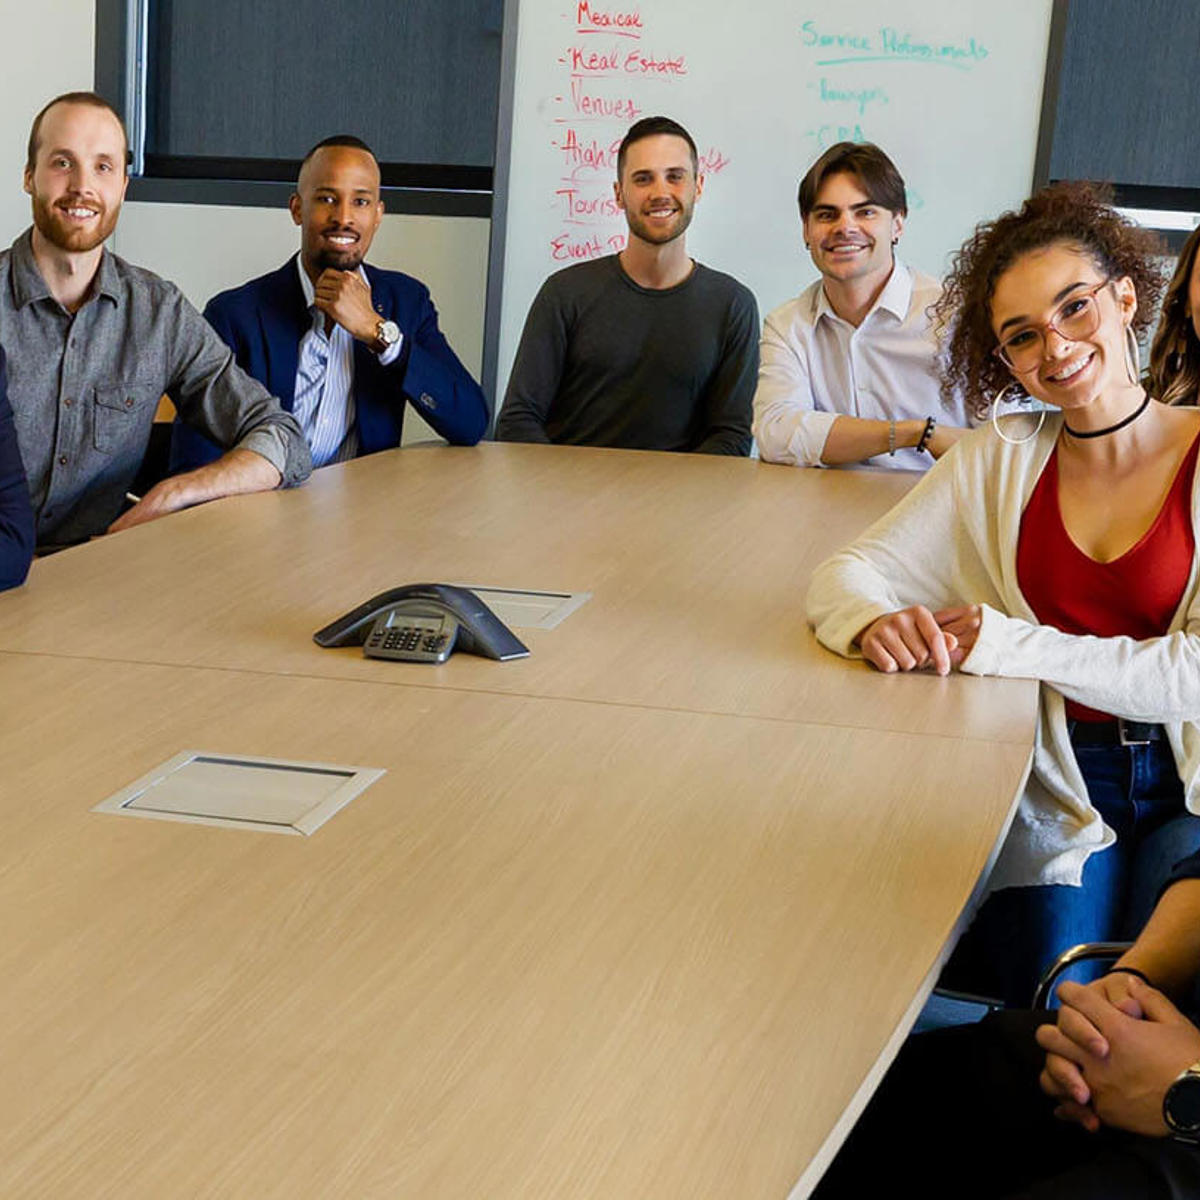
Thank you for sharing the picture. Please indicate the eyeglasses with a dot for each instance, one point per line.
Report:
(1077, 317)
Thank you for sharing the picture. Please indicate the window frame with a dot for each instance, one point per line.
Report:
(419, 189)
(1172, 212)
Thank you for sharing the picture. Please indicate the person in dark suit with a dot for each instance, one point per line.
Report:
(16, 513)
(343, 345)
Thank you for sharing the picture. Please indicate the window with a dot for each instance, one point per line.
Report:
(224, 97)
(1119, 106)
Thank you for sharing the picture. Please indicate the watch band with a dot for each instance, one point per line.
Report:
(387, 334)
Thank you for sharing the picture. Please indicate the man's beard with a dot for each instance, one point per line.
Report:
(349, 259)
(76, 240)
(656, 237)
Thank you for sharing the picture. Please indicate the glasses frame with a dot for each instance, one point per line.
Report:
(1042, 328)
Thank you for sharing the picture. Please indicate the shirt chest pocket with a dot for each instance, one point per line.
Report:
(119, 412)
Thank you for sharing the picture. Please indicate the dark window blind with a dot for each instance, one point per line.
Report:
(1128, 94)
(240, 89)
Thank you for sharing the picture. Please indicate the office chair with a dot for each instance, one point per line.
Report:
(1086, 952)
(948, 1007)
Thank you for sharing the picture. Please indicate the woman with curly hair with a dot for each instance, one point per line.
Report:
(1059, 545)
(1174, 375)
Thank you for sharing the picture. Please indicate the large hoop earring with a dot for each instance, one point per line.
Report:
(1133, 355)
(1025, 399)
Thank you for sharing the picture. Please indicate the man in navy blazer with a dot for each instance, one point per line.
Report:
(343, 345)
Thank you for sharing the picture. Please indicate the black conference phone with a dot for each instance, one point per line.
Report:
(423, 622)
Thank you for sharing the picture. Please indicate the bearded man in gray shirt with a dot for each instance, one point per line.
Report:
(93, 342)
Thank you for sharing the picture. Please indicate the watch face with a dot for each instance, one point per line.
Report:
(1181, 1106)
(389, 332)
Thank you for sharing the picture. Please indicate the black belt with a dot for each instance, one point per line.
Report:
(1115, 733)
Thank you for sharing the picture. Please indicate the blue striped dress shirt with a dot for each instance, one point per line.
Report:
(324, 396)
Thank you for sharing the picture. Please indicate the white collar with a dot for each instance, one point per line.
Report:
(895, 297)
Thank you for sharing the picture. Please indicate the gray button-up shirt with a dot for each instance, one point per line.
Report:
(84, 388)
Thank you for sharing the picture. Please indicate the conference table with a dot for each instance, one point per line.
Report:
(646, 913)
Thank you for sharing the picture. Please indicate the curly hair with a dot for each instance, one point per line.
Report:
(1079, 214)
(1174, 374)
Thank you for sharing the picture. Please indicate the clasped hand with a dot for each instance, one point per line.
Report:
(914, 639)
(1115, 1050)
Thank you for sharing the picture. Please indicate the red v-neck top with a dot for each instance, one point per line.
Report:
(1134, 596)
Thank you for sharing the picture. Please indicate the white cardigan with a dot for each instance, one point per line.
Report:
(953, 540)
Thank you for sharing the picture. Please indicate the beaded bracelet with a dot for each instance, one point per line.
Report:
(892, 438)
(927, 436)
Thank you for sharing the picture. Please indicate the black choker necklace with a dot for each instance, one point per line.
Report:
(1129, 420)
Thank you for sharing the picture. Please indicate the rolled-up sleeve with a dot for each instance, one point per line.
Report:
(787, 425)
(212, 393)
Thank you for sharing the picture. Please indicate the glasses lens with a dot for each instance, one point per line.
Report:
(1078, 318)
(1023, 350)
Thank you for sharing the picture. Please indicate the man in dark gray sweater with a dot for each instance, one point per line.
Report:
(645, 349)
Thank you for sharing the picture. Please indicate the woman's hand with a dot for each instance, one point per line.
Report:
(963, 624)
(909, 640)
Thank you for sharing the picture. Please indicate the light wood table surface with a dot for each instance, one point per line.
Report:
(697, 566)
(645, 915)
(561, 949)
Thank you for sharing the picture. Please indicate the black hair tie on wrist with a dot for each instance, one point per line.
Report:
(1130, 971)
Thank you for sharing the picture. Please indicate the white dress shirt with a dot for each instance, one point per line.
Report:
(324, 395)
(815, 367)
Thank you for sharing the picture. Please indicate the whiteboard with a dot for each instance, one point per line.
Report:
(951, 89)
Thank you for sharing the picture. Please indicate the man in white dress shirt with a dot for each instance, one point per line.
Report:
(848, 369)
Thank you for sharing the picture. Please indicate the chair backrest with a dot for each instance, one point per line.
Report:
(1087, 952)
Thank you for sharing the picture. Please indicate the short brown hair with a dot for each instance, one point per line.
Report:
(875, 172)
(652, 127)
(93, 100)
(1077, 214)
(1174, 374)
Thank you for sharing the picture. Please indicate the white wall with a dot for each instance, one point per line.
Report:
(49, 49)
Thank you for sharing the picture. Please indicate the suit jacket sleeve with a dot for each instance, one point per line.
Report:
(428, 373)
(16, 515)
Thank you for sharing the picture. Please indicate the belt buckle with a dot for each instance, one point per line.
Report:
(1129, 738)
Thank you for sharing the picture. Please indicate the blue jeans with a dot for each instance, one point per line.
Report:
(1019, 931)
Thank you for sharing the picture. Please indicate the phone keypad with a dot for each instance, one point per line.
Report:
(408, 637)
(419, 640)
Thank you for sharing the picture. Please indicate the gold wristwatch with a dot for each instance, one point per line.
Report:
(387, 334)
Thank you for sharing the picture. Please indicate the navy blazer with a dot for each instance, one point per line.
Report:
(16, 514)
(264, 320)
